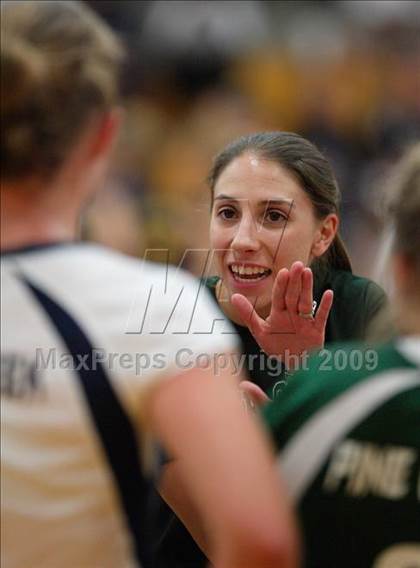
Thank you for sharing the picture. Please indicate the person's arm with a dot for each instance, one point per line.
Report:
(173, 490)
(222, 482)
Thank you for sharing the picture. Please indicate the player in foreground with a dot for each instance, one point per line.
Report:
(348, 430)
(79, 404)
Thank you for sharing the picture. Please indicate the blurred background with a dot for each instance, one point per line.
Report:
(344, 74)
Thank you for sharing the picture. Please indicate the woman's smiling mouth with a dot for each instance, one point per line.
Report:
(248, 273)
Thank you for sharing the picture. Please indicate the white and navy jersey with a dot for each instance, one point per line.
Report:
(84, 332)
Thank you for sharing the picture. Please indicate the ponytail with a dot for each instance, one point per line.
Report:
(337, 255)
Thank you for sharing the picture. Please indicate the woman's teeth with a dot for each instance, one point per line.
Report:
(249, 273)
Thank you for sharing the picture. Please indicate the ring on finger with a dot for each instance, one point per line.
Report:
(306, 316)
(311, 314)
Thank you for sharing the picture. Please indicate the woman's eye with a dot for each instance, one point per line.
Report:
(275, 216)
(226, 213)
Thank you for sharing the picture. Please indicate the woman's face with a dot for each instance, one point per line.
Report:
(261, 221)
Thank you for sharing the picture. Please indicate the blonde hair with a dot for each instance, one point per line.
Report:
(59, 65)
(404, 206)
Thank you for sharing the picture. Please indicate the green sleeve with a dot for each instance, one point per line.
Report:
(375, 300)
(357, 302)
(328, 374)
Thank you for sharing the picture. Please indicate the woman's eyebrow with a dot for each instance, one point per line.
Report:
(289, 202)
(223, 196)
(265, 202)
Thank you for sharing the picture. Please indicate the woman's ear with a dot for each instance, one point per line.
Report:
(325, 235)
(106, 132)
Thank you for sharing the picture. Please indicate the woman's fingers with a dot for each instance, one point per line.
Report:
(247, 313)
(278, 302)
(306, 297)
(253, 393)
(294, 287)
(324, 309)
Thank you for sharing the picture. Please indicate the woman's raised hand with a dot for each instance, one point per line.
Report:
(291, 329)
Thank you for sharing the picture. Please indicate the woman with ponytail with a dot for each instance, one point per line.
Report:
(284, 276)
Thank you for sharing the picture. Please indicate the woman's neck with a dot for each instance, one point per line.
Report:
(223, 299)
(18, 234)
(29, 215)
(409, 320)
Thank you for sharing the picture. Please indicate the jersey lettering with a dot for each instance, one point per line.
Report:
(19, 376)
(367, 469)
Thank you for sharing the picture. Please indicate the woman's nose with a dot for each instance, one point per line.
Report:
(246, 237)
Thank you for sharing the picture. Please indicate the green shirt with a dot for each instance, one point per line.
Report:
(348, 433)
(356, 302)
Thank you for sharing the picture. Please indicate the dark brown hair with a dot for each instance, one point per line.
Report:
(309, 166)
(59, 65)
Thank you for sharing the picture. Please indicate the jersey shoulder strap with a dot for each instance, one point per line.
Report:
(113, 426)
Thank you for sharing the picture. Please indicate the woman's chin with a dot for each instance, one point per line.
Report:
(257, 293)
